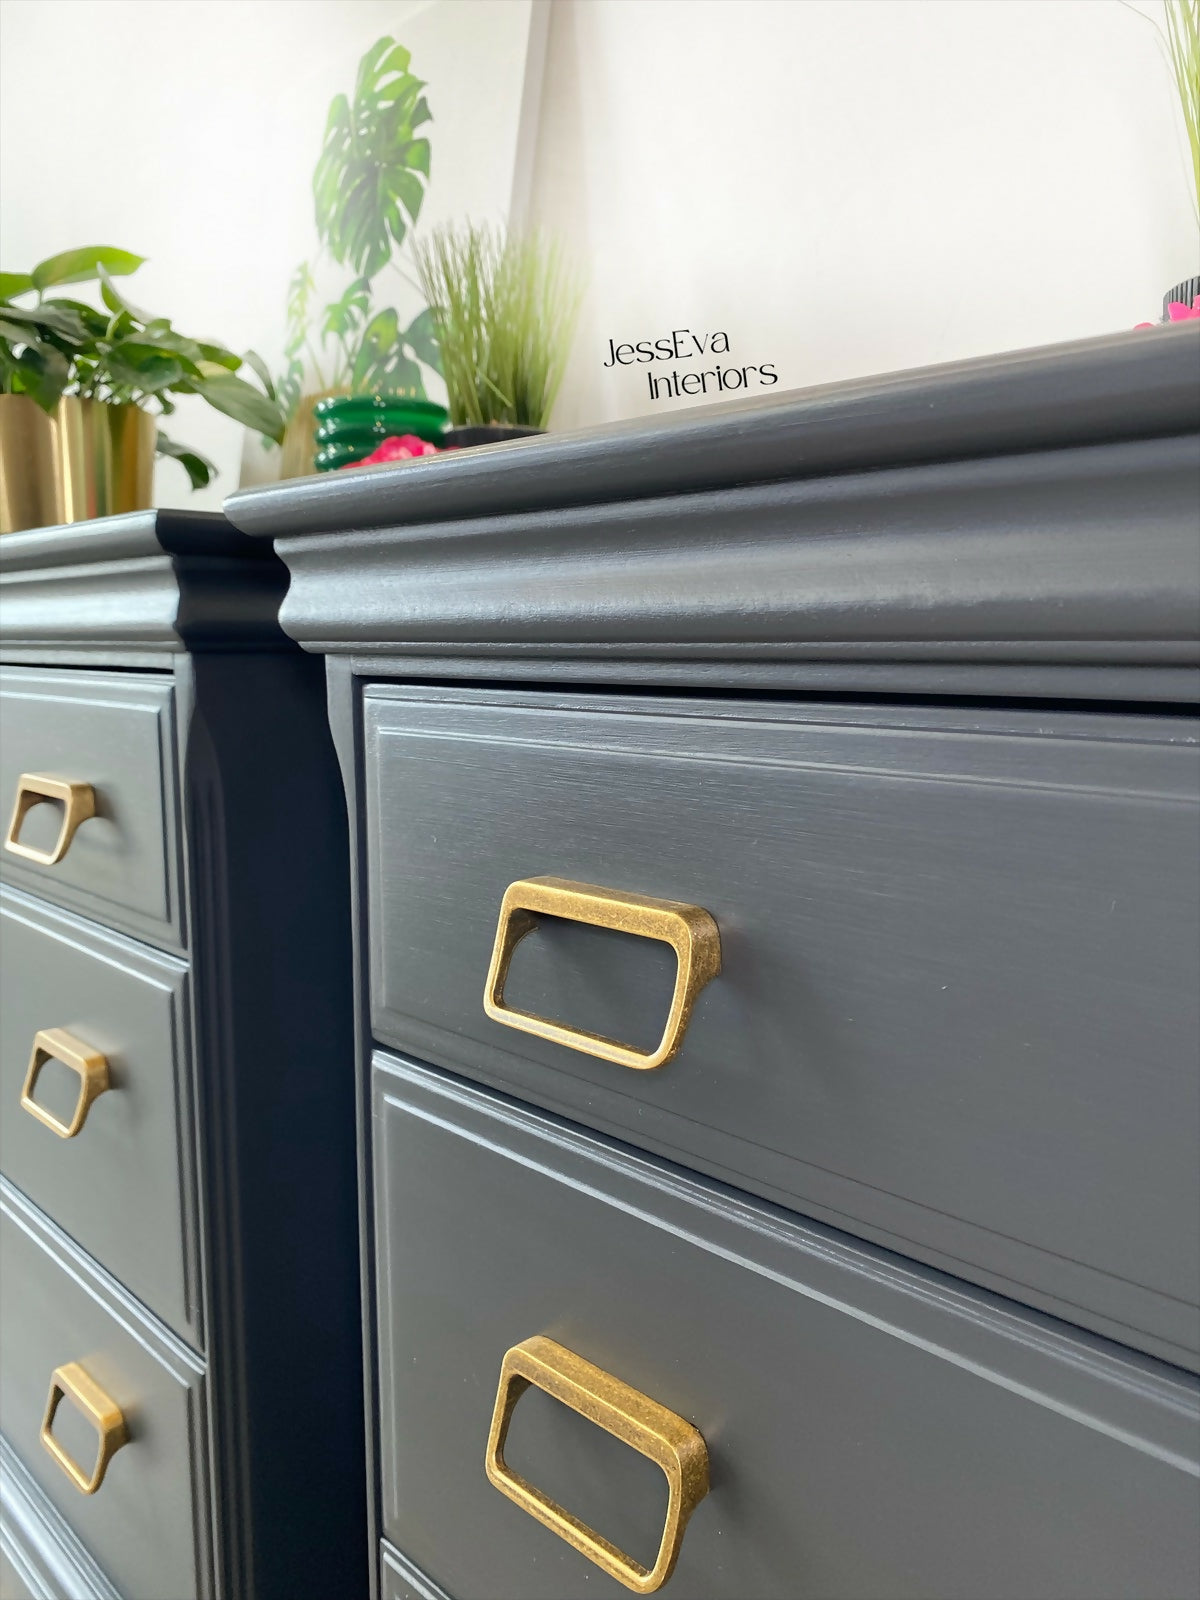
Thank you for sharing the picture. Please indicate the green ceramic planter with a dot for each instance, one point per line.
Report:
(331, 456)
(369, 418)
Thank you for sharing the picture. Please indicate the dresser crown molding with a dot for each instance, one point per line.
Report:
(957, 530)
(148, 582)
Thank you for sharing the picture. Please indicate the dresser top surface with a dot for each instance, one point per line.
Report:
(127, 589)
(1125, 386)
(129, 535)
(1024, 525)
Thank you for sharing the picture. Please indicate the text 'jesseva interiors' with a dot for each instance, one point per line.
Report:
(681, 344)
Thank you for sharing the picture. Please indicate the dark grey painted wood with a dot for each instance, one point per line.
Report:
(1022, 526)
(147, 1526)
(1122, 386)
(346, 724)
(273, 1042)
(40, 1558)
(12, 1576)
(873, 539)
(874, 1429)
(13, 1585)
(144, 583)
(401, 1580)
(262, 891)
(1007, 563)
(861, 680)
(115, 731)
(958, 1003)
(124, 1186)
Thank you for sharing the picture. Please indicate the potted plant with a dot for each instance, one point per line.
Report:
(82, 389)
(504, 307)
(368, 187)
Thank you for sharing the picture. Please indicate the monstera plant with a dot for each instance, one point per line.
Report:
(368, 187)
(370, 180)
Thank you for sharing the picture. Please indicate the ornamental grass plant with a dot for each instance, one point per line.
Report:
(1179, 33)
(1183, 49)
(504, 307)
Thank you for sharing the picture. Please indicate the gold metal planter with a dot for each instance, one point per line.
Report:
(87, 459)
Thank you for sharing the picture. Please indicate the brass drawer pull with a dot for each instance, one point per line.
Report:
(101, 1411)
(690, 931)
(58, 1045)
(79, 803)
(651, 1429)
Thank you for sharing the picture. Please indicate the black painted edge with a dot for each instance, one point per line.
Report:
(1121, 386)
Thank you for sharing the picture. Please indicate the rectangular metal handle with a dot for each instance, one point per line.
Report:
(102, 1412)
(33, 788)
(56, 1044)
(690, 931)
(640, 1422)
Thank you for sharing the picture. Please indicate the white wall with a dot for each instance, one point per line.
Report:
(187, 131)
(842, 186)
(854, 186)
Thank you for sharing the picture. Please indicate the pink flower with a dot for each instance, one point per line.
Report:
(397, 447)
(1177, 312)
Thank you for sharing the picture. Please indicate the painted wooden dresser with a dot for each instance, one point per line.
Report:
(180, 1366)
(775, 837)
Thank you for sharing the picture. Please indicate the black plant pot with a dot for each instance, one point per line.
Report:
(1184, 292)
(485, 433)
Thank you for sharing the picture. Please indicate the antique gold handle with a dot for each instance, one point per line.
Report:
(79, 803)
(58, 1045)
(101, 1411)
(690, 931)
(632, 1417)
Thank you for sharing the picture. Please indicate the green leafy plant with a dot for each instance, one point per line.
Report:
(356, 348)
(119, 354)
(368, 188)
(370, 179)
(504, 308)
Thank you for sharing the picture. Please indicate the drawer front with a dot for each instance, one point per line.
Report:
(400, 1580)
(122, 1185)
(957, 1009)
(113, 732)
(40, 1558)
(146, 1525)
(873, 1428)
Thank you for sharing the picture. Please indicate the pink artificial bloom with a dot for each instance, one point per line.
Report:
(397, 447)
(1177, 312)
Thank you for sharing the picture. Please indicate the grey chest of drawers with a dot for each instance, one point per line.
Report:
(775, 846)
(180, 1367)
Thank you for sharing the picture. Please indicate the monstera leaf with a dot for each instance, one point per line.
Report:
(345, 317)
(370, 180)
(387, 360)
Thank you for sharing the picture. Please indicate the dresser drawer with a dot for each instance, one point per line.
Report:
(874, 1429)
(147, 1523)
(957, 1009)
(40, 1558)
(122, 1185)
(400, 1580)
(112, 733)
